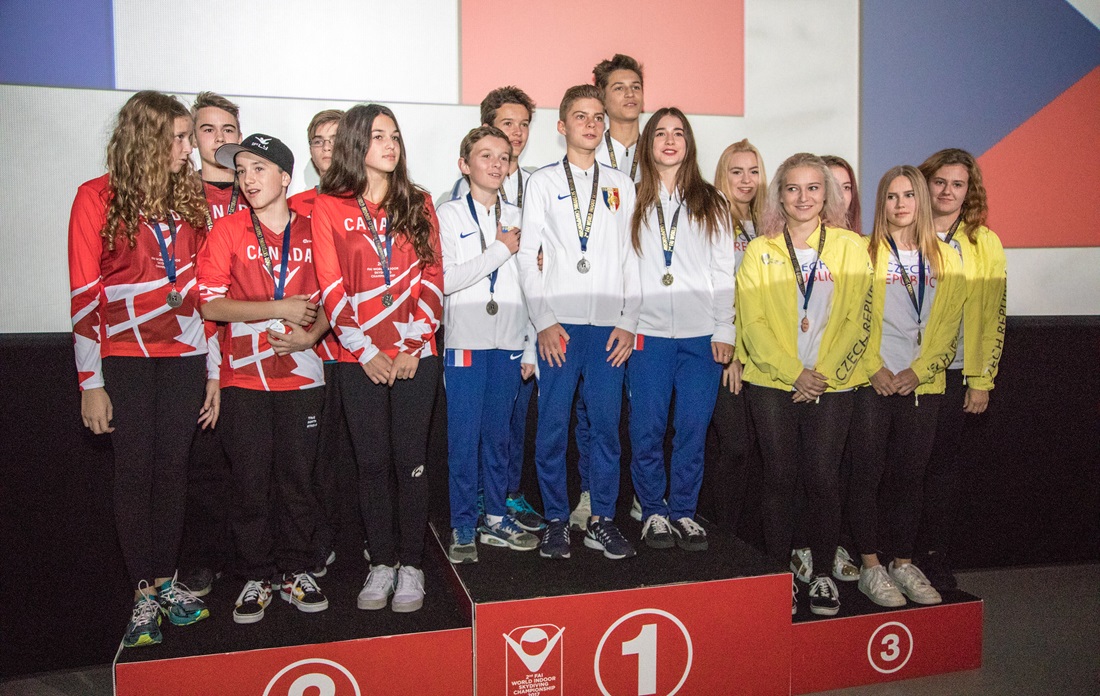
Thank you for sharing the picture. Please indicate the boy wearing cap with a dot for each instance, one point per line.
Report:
(585, 304)
(256, 274)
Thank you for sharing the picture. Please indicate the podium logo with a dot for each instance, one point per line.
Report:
(533, 660)
(313, 677)
(890, 647)
(632, 648)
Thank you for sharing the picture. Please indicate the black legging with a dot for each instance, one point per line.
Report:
(727, 468)
(800, 441)
(942, 478)
(891, 442)
(156, 402)
(389, 431)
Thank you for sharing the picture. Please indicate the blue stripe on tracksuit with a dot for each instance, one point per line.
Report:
(603, 389)
(664, 366)
(480, 399)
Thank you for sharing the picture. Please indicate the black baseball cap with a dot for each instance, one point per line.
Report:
(268, 147)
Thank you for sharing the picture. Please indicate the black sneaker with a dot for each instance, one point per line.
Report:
(525, 516)
(325, 558)
(689, 535)
(824, 598)
(603, 535)
(251, 602)
(555, 540)
(938, 572)
(200, 580)
(301, 590)
(657, 533)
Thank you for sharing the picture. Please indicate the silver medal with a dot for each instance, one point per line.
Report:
(174, 299)
(583, 266)
(492, 307)
(387, 300)
(666, 279)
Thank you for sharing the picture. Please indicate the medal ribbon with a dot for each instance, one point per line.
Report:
(519, 191)
(384, 252)
(232, 206)
(280, 286)
(917, 297)
(169, 259)
(806, 287)
(473, 212)
(954, 229)
(668, 239)
(611, 155)
(742, 232)
(582, 230)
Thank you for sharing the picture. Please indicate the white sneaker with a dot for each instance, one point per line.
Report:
(802, 564)
(636, 510)
(912, 582)
(378, 587)
(409, 595)
(578, 519)
(843, 567)
(877, 585)
(794, 597)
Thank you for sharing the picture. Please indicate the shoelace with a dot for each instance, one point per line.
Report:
(658, 524)
(510, 526)
(559, 530)
(145, 610)
(252, 592)
(305, 583)
(690, 526)
(608, 533)
(462, 537)
(377, 581)
(912, 575)
(407, 576)
(822, 587)
(178, 593)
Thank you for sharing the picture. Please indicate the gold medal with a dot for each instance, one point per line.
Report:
(666, 279)
(805, 324)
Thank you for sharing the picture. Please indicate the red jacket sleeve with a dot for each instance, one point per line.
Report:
(88, 216)
(429, 305)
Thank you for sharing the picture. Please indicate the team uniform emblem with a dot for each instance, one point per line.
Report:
(611, 198)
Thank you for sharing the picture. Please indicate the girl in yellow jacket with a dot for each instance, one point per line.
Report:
(917, 301)
(959, 211)
(804, 299)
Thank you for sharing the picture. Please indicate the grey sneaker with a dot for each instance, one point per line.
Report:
(635, 510)
(802, 564)
(911, 581)
(509, 534)
(689, 535)
(875, 582)
(578, 519)
(843, 567)
(378, 587)
(462, 548)
(409, 595)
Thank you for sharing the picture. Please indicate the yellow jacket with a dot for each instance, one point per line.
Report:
(768, 306)
(938, 341)
(983, 318)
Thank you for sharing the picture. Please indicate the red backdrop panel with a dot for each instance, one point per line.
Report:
(1041, 178)
(692, 52)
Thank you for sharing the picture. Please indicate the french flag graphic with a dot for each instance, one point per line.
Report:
(456, 357)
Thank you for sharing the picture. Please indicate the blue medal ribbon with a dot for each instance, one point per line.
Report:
(916, 297)
(169, 259)
(280, 286)
(473, 212)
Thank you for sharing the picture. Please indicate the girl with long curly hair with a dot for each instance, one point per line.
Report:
(378, 259)
(139, 342)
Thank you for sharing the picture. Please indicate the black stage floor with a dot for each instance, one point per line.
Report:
(284, 625)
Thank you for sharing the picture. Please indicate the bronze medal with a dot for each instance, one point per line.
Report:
(805, 324)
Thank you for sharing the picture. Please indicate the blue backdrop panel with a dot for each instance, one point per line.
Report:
(942, 73)
(59, 43)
